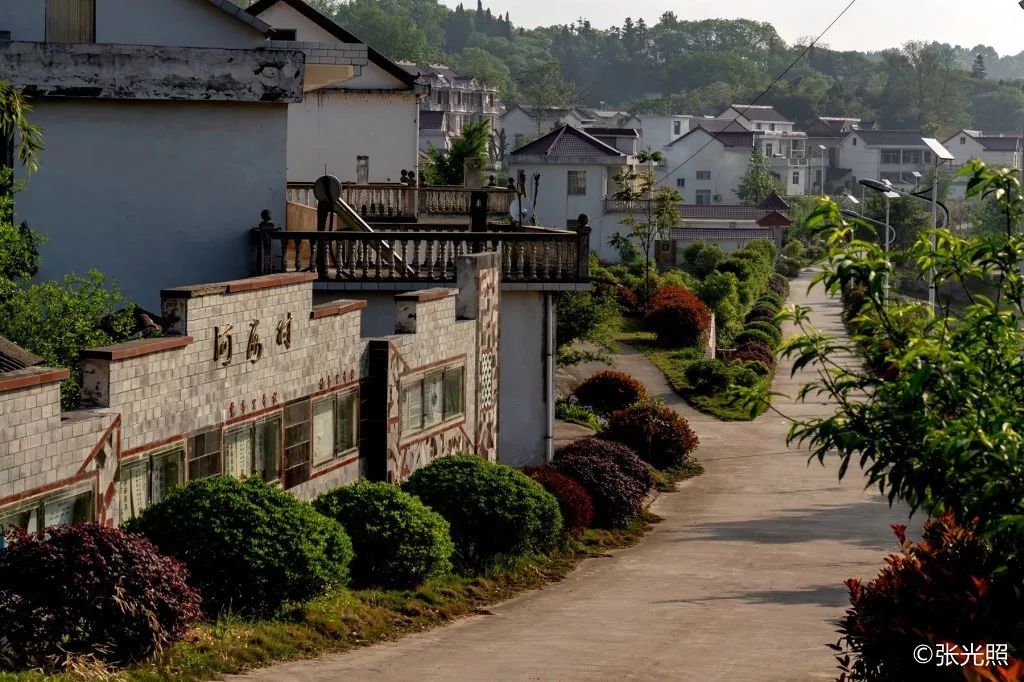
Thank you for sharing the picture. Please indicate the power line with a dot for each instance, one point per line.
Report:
(714, 136)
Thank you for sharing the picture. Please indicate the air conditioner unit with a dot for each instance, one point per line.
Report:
(718, 198)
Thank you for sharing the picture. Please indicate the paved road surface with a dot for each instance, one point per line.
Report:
(741, 581)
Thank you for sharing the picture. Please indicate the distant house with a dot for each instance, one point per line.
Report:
(757, 117)
(1001, 150)
(576, 173)
(373, 114)
(893, 155)
(525, 123)
(166, 127)
(462, 99)
(706, 166)
(729, 227)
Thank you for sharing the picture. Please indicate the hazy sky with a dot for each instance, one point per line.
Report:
(869, 25)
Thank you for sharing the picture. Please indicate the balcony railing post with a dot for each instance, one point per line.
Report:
(264, 245)
(583, 247)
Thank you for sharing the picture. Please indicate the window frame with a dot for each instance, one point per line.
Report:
(703, 175)
(419, 379)
(698, 194)
(148, 460)
(796, 177)
(218, 453)
(251, 427)
(335, 400)
(572, 183)
(680, 182)
(287, 465)
(38, 504)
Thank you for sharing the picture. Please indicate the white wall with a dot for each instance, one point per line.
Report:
(727, 166)
(332, 126)
(283, 16)
(25, 19)
(658, 131)
(523, 399)
(516, 122)
(862, 160)
(191, 23)
(156, 194)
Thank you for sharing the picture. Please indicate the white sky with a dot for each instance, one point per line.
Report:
(869, 25)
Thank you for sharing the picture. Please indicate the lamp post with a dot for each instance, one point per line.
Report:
(890, 234)
(939, 155)
(823, 150)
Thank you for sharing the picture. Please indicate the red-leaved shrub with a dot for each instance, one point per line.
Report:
(573, 499)
(942, 590)
(754, 350)
(609, 390)
(597, 465)
(87, 589)
(657, 434)
(677, 317)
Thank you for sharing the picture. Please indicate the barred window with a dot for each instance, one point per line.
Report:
(148, 480)
(577, 183)
(703, 175)
(296, 443)
(204, 455)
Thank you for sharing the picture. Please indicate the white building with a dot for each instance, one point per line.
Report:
(893, 155)
(525, 123)
(757, 117)
(657, 131)
(374, 114)
(165, 126)
(463, 99)
(1000, 150)
(577, 173)
(705, 166)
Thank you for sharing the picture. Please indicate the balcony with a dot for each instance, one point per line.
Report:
(382, 202)
(535, 258)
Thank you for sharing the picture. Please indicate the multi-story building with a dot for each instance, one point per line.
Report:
(705, 166)
(370, 120)
(463, 99)
(1001, 150)
(893, 155)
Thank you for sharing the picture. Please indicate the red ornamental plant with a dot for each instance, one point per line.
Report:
(658, 435)
(601, 468)
(754, 350)
(87, 589)
(610, 390)
(678, 317)
(573, 499)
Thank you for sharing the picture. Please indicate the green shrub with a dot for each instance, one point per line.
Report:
(720, 292)
(496, 513)
(772, 299)
(703, 257)
(707, 377)
(742, 375)
(765, 249)
(793, 249)
(398, 541)
(813, 254)
(568, 408)
(248, 546)
(779, 285)
(769, 328)
(657, 433)
(790, 267)
(756, 335)
(581, 314)
(759, 368)
(679, 278)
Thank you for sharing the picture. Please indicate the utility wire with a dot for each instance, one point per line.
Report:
(714, 136)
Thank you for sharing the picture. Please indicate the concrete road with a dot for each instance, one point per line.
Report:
(741, 581)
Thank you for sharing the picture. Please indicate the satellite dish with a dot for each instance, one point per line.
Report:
(327, 188)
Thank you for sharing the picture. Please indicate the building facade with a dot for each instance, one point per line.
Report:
(463, 99)
(893, 155)
(999, 150)
(252, 379)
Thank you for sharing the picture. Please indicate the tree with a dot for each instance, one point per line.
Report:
(758, 182)
(657, 213)
(909, 217)
(448, 168)
(14, 110)
(546, 87)
(978, 68)
(394, 34)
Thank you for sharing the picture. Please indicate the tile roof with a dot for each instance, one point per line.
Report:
(773, 202)
(774, 219)
(568, 141)
(717, 125)
(612, 132)
(730, 139)
(14, 357)
(759, 112)
(545, 112)
(908, 138)
(999, 143)
(720, 212)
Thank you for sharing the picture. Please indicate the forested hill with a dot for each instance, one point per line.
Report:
(696, 67)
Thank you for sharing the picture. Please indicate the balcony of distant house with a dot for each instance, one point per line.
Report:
(392, 236)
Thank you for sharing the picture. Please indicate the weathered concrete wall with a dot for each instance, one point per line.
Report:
(154, 193)
(524, 399)
(192, 23)
(147, 72)
(332, 126)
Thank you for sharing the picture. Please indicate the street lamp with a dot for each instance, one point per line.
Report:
(823, 149)
(939, 155)
(890, 234)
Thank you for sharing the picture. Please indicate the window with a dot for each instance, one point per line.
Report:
(204, 455)
(855, 142)
(254, 449)
(927, 156)
(891, 156)
(759, 126)
(768, 149)
(963, 140)
(680, 182)
(912, 156)
(520, 140)
(335, 426)
(677, 127)
(296, 443)
(148, 480)
(704, 175)
(283, 34)
(577, 183)
(703, 197)
(70, 21)
(431, 399)
(74, 506)
(771, 126)
(796, 177)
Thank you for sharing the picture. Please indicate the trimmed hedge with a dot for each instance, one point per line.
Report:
(573, 499)
(769, 328)
(87, 589)
(678, 318)
(772, 299)
(707, 377)
(398, 540)
(610, 390)
(761, 312)
(755, 335)
(779, 285)
(790, 267)
(658, 434)
(495, 512)
(741, 375)
(595, 464)
(757, 351)
(248, 546)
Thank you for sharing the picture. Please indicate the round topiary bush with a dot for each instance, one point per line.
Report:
(790, 267)
(741, 375)
(779, 285)
(707, 377)
(248, 546)
(771, 299)
(678, 317)
(756, 366)
(769, 328)
(574, 501)
(762, 312)
(595, 464)
(495, 512)
(609, 390)
(658, 434)
(754, 350)
(757, 335)
(398, 540)
(793, 249)
(87, 589)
